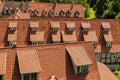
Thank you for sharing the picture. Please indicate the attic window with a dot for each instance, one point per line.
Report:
(108, 39)
(12, 43)
(76, 14)
(82, 69)
(31, 12)
(1, 77)
(61, 13)
(5, 10)
(10, 11)
(55, 26)
(51, 13)
(68, 13)
(81, 63)
(35, 12)
(85, 26)
(106, 26)
(12, 26)
(44, 13)
(70, 26)
(33, 26)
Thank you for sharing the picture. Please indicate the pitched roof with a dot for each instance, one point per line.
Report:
(105, 73)
(108, 36)
(2, 63)
(90, 36)
(28, 61)
(56, 37)
(22, 16)
(38, 36)
(69, 37)
(79, 55)
(85, 24)
(13, 24)
(55, 24)
(70, 24)
(105, 24)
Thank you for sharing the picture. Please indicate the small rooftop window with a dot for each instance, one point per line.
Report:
(85, 26)
(33, 26)
(61, 13)
(76, 14)
(70, 26)
(51, 13)
(106, 26)
(55, 26)
(12, 26)
(36, 12)
(44, 13)
(68, 13)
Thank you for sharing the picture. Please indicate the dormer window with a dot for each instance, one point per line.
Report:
(10, 11)
(80, 64)
(35, 12)
(33, 26)
(44, 13)
(51, 13)
(55, 26)
(85, 26)
(61, 13)
(70, 26)
(76, 14)
(12, 26)
(31, 12)
(68, 13)
(106, 26)
(5, 10)
(108, 39)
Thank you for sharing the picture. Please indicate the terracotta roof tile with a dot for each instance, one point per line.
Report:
(12, 23)
(69, 37)
(79, 55)
(105, 24)
(55, 24)
(12, 36)
(108, 36)
(28, 61)
(34, 24)
(2, 63)
(85, 24)
(105, 73)
(22, 16)
(90, 36)
(56, 37)
(70, 24)
(38, 36)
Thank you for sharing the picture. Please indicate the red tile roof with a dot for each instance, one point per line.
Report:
(2, 63)
(57, 7)
(105, 73)
(28, 61)
(79, 55)
(38, 36)
(90, 36)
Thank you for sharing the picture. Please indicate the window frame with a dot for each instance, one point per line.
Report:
(28, 76)
(108, 44)
(11, 43)
(82, 69)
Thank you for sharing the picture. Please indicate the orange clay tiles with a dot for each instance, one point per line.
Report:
(105, 24)
(47, 60)
(12, 24)
(55, 24)
(70, 24)
(108, 37)
(12, 36)
(2, 63)
(28, 61)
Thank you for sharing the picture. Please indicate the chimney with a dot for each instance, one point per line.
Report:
(54, 6)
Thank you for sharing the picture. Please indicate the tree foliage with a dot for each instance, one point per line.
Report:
(107, 8)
